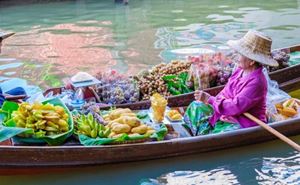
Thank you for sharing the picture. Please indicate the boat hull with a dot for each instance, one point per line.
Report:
(71, 156)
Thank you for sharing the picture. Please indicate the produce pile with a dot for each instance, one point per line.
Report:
(91, 127)
(174, 115)
(175, 78)
(116, 88)
(94, 127)
(282, 57)
(44, 120)
(288, 108)
(209, 70)
(122, 121)
(177, 84)
(152, 81)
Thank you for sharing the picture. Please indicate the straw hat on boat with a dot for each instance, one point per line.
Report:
(5, 35)
(256, 46)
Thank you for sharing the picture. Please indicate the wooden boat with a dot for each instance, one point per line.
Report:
(282, 76)
(36, 157)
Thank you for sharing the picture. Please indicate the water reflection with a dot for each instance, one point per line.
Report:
(68, 48)
(218, 176)
(280, 170)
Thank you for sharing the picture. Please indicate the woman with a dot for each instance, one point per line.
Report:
(247, 87)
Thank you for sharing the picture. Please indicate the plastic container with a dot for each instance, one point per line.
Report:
(78, 100)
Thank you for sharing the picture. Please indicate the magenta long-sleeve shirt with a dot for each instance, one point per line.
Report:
(240, 95)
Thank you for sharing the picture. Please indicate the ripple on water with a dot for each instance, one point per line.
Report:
(218, 176)
(280, 171)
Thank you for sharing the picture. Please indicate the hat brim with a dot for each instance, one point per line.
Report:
(258, 57)
(6, 35)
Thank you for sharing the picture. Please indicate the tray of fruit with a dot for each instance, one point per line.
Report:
(119, 126)
(47, 122)
(174, 116)
(288, 108)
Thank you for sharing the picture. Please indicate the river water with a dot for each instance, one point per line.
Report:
(56, 39)
(266, 164)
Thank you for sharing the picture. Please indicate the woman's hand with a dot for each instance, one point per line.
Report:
(201, 96)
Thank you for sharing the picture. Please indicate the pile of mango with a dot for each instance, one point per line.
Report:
(289, 108)
(122, 121)
(45, 120)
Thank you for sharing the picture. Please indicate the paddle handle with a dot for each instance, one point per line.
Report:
(273, 131)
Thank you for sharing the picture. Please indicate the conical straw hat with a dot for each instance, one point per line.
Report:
(256, 46)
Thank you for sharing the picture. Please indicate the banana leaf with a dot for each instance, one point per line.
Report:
(142, 115)
(87, 141)
(9, 132)
(161, 133)
(51, 140)
(6, 110)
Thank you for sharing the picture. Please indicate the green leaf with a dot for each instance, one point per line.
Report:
(87, 141)
(183, 76)
(173, 91)
(10, 123)
(185, 89)
(9, 132)
(169, 77)
(161, 133)
(137, 137)
(3, 117)
(142, 115)
(9, 106)
(174, 84)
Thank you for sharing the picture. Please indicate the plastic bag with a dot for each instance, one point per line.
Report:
(210, 70)
(221, 127)
(196, 117)
(274, 96)
(200, 75)
(116, 88)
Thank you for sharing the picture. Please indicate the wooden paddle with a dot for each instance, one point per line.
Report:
(273, 131)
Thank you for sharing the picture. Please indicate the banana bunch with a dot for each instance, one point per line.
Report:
(87, 125)
(45, 120)
(289, 108)
(122, 121)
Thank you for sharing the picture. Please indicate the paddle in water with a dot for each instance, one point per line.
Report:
(273, 131)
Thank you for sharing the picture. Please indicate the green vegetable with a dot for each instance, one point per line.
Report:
(177, 83)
